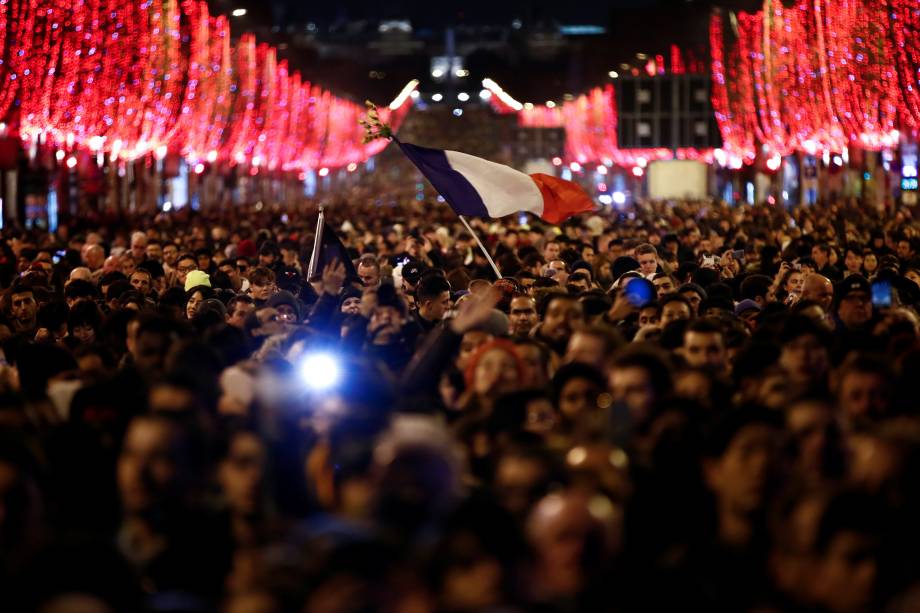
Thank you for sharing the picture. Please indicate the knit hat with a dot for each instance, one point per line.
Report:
(285, 297)
(196, 278)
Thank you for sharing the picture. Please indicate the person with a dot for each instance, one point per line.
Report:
(433, 300)
(819, 289)
(853, 297)
(704, 346)
(665, 284)
(238, 309)
(23, 309)
(369, 271)
(522, 315)
(262, 285)
(675, 308)
(561, 315)
(647, 257)
(185, 264)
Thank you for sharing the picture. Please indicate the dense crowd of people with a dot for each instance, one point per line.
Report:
(678, 406)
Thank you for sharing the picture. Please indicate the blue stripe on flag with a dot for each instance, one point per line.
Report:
(453, 186)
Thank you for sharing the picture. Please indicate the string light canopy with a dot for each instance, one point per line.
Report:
(816, 76)
(132, 78)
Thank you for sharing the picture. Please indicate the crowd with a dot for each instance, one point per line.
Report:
(680, 406)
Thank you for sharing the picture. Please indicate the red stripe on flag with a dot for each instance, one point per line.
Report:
(561, 199)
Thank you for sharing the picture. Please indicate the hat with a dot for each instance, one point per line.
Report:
(412, 271)
(213, 304)
(246, 249)
(693, 287)
(747, 305)
(285, 297)
(854, 284)
(196, 278)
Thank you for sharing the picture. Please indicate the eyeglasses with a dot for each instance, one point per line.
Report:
(186, 269)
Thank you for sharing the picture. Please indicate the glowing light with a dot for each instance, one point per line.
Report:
(410, 89)
(59, 155)
(774, 162)
(613, 74)
(323, 172)
(437, 97)
(320, 371)
(619, 198)
(601, 170)
(550, 104)
(641, 162)
(199, 168)
(437, 73)
(485, 94)
(160, 152)
(352, 167)
(463, 96)
(239, 12)
(71, 162)
(502, 97)
(575, 167)
(458, 112)
(557, 161)
(637, 171)
(605, 199)
(212, 156)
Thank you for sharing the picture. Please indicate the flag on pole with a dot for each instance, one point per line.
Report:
(328, 247)
(476, 187)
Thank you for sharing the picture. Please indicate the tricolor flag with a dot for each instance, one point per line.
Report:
(476, 187)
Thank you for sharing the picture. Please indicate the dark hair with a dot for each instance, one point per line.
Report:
(84, 313)
(650, 359)
(79, 288)
(431, 287)
(547, 299)
(575, 370)
(723, 429)
(755, 286)
(261, 276)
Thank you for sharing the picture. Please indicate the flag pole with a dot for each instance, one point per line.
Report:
(485, 252)
(317, 246)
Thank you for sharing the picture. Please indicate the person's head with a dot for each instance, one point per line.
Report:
(241, 471)
(229, 268)
(863, 387)
(185, 263)
(853, 296)
(576, 388)
(152, 338)
(639, 377)
(561, 315)
(238, 309)
(756, 288)
(675, 308)
(495, 368)
(744, 447)
(793, 282)
(593, 345)
(522, 315)
(154, 464)
(23, 305)
(804, 349)
(262, 283)
(647, 256)
(139, 246)
(905, 249)
(154, 251)
(287, 306)
(83, 322)
(704, 345)
(870, 262)
(523, 474)
(142, 281)
(853, 260)
(846, 553)
(537, 357)
(664, 284)
(551, 251)
(694, 295)
(93, 256)
(269, 253)
(369, 271)
(433, 297)
(194, 298)
(650, 314)
(813, 425)
(821, 254)
(78, 291)
(819, 289)
(557, 270)
(170, 254)
(579, 282)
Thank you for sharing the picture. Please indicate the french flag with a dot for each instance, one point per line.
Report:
(476, 187)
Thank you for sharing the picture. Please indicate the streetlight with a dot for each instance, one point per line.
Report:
(239, 12)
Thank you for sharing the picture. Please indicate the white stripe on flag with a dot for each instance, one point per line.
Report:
(503, 189)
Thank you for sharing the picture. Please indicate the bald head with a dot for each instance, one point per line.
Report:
(81, 272)
(93, 256)
(820, 289)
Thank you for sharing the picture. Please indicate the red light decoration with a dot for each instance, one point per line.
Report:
(822, 75)
(133, 78)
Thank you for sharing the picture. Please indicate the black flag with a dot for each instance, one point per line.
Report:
(328, 247)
